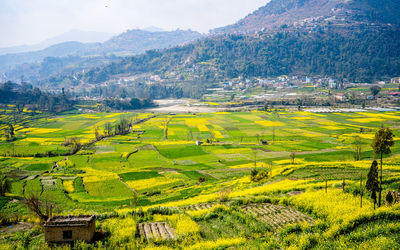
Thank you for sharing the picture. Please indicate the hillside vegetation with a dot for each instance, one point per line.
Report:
(357, 57)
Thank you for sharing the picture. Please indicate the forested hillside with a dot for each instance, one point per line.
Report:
(360, 56)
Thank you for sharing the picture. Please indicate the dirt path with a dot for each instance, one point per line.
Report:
(20, 226)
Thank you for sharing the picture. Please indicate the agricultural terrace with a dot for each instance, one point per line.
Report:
(300, 204)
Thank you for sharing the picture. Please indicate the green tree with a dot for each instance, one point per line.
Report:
(375, 90)
(97, 134)
(389, 198)
(4, 185)
(122, 127)
(381, 144)
(134, 202)
(11, 131)
(253, 174)
(265, 106)
(372, 184)
(165, 123)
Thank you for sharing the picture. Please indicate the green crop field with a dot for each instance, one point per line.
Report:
(166, 165)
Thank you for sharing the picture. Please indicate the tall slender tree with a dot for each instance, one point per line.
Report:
(372, 184)
(381, 144)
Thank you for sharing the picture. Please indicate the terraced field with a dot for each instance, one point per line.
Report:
(198, 207)
(276, 216)
(143, 176)
(156, 230)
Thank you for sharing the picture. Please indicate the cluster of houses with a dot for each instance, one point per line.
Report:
(283, 82)
(232, 87)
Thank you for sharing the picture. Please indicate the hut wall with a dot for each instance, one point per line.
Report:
(55, 233)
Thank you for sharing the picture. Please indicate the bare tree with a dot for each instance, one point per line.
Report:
(255, 158)
(97, 134)
(292, 157)
(134, 202)
(223, 194)
(42, 208)
(165, 123)
(258, 138)
(189, 135)
(108, 129)
(74, 143)
(357, 147)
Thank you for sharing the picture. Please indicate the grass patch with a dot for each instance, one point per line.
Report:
(194, 175)
(133, 176)
(333, 173)
(38, 167)
(175, 152)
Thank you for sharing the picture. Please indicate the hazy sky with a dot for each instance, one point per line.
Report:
(32, 21)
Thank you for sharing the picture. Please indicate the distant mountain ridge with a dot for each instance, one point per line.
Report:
(138, 41)
(282, 13)
(130, 42)
(58, 50)
(72, 35)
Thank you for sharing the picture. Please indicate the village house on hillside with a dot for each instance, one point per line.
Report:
(70, 228)
(395, 80)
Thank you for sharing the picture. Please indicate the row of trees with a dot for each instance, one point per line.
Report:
(23, 95)
(144, 91)
(122, 127)
(381, 145)
(129, 104)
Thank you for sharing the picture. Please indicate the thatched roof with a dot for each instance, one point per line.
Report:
(70, 221)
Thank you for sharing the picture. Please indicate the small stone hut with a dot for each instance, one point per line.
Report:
(70, 228)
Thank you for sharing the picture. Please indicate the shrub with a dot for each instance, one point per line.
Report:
(163, 211)
(389, 198)
(5, 185)
(257, 176)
